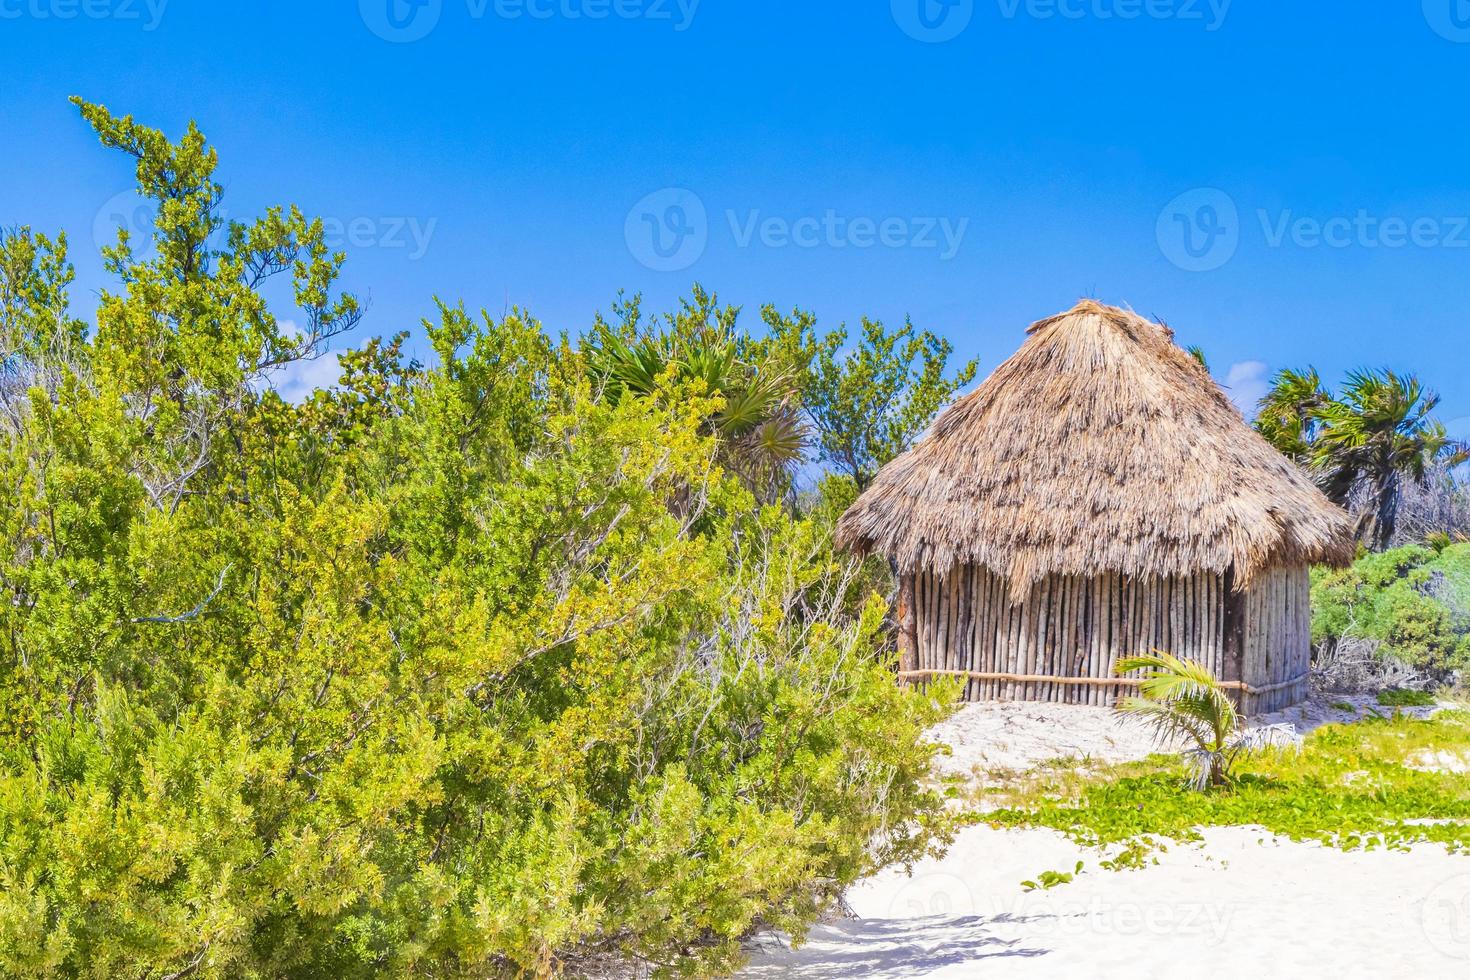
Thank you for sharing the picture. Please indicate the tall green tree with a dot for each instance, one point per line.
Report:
(1362, 443)
(870, 402)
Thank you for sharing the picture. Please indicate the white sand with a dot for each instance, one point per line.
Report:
(1244, 904)
(1234, 908)
(1020, 735)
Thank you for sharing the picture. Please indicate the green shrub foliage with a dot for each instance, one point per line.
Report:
(1414, 601)
(451, 671)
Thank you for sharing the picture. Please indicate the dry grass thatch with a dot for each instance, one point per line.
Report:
(1101, 446)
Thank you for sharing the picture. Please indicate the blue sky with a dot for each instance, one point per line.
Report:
(1284, 182)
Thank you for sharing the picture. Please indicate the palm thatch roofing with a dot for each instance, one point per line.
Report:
(1100, 446)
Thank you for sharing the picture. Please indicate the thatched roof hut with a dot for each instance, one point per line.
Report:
(1100, 460)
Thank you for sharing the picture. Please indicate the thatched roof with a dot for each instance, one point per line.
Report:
(1101, 446)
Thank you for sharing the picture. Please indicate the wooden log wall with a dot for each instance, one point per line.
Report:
(1277, 642)
(1076, 627)
(1067, 627)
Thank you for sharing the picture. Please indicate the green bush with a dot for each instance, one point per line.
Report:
(462, 671)
(1414, 601)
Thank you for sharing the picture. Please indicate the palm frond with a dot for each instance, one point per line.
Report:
(1181, 700)
(761, 436)
(1167, 678)
(1168, 725)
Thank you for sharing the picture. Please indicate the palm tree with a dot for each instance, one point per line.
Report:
(1288, 413)
(761, 436)
(1375, 436)
(1183, 701)
(1363, 444)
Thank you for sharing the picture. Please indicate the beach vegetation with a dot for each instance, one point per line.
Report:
(506, 663)
(1383, 782)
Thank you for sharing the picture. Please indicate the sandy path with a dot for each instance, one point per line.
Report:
(1246, 904)
(1020, 735)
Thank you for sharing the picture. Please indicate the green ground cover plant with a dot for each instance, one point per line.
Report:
(1401, 698)
(1369, 784)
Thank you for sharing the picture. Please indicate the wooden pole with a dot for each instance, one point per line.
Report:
(908, 638)
(1234, 633)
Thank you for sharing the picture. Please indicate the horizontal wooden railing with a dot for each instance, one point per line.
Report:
(1133, 682)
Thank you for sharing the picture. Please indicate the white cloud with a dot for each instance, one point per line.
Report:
(1247, 383)
(295, 381)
